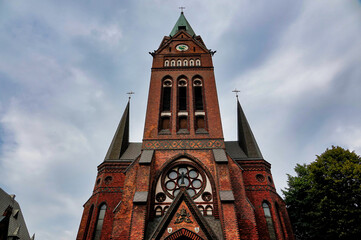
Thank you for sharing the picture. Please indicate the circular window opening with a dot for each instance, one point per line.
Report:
(160, 197)
(108, 179)
(182, 83)
(197, 83)
(183, 175)
(207, 196)
(260, 177)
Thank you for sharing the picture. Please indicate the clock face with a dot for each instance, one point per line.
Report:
(182, 47)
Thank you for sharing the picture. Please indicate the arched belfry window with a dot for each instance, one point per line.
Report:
(172, 63)
(166, 63)
(198, 105)
(185, 63)
(179, 63)
(198, 94)
(166, 94)
(100, 221)
(182, 104)
(182, 94)
(191, 62)
(166, 104)
(198, 62)
(269, 221)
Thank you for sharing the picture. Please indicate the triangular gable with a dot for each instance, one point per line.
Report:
(183, 216)
(166, 41)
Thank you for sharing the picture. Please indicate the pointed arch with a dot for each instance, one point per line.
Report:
(193, 161)
(100, 220)
(191, 63)
(269, 221)
(183, 234)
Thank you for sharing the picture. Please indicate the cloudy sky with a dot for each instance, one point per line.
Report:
(65, 68)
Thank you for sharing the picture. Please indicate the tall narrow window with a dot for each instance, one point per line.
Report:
(269, 221)
(166, 95)
(191, 62)
(182, 95)
(185, 63)
(198, 95)
(179, 63)
(100, 221)
(166, 63)
(88, 222)
(198, 62)
(172, 63)
(165, 107)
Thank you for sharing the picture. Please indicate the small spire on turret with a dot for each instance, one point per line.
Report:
(236, 92)
(130, 94)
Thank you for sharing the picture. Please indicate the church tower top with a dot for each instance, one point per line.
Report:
(182, 24)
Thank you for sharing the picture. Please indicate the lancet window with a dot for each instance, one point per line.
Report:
(269, 221)
(100, 221)
(166, 104)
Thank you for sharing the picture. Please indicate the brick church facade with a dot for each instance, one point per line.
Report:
(183, 181)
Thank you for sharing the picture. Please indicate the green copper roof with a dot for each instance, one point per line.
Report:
(182, 23)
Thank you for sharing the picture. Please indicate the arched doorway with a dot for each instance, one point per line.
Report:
(183, 234)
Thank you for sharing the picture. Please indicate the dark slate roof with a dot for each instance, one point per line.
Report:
(226, 196)
(234, 150)
(220, 156)
(246, 139)
(132, 152)
(146, 157)
(182, 23)
(120, 140)
(17, 226)
(140, 197)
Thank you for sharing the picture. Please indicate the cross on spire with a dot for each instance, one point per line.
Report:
(182, 8)
(236, 92)
(130, 94)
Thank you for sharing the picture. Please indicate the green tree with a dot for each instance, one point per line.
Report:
(324, 199)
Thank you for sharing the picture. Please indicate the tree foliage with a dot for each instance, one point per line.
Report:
(324, 199)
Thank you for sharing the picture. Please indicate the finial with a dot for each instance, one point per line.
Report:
(236, 92)
(130, 94)
(182, 8)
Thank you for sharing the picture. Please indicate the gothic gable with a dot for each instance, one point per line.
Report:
(181, 37)
(183, 216)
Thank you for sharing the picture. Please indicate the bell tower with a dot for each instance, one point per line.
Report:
(183, 181)
(182, 102)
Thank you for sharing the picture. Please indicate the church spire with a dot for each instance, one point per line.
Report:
(182, 24)
(246, 139)
(120, 140)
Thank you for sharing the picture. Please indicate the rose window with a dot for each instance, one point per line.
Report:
(183, 176)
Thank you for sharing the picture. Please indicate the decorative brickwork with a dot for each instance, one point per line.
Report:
(183, 144)
(183, 181)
